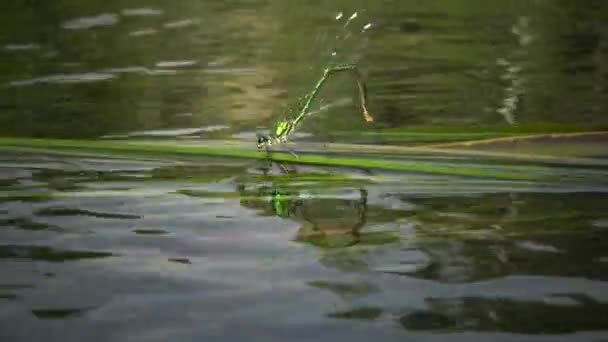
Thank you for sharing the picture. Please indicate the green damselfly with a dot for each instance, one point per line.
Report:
(284, 128)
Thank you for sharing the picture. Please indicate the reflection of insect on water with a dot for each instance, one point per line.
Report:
(282, 204)
(316, 225)
(284, 128)
(321, 219)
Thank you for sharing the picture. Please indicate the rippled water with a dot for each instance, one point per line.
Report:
(111, 249)
(90, 69)
(102, 249)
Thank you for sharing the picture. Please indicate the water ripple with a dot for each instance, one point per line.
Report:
(141, 12)
(229, 70)
(105, 74)
(180, 23)
(22, 47)
(65, 78)
(166, 132)
(139, 70)
(170, 132)
(144, 32)
(126, 70)
(175, 64)
(84, 23)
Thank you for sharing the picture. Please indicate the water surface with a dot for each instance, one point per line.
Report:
(110, 249)
(74, 69)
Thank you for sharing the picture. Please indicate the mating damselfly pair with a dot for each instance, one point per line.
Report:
(284, 128)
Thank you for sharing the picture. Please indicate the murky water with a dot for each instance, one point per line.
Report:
(70, 68)
(102, 249)
(110, 249)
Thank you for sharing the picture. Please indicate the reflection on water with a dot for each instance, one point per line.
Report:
(240, 64)
(141, 12)
(58, 313)
(320, 226)
(21, 47)
(227, 249)
(75, 78)
(144, 32)
(90, 22)
(183, 250)
(481, 314)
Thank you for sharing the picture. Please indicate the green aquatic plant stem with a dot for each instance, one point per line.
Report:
(146, 150)
(442, 135)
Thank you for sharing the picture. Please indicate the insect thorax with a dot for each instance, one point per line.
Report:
(282, 128)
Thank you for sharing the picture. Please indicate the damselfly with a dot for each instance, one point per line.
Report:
(284, 128)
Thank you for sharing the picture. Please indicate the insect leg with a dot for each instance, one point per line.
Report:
(293, 153)
(360, 85)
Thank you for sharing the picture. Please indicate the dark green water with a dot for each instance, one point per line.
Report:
(71, 68)
(95, 249)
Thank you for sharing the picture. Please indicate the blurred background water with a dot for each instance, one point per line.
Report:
(87, 69)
